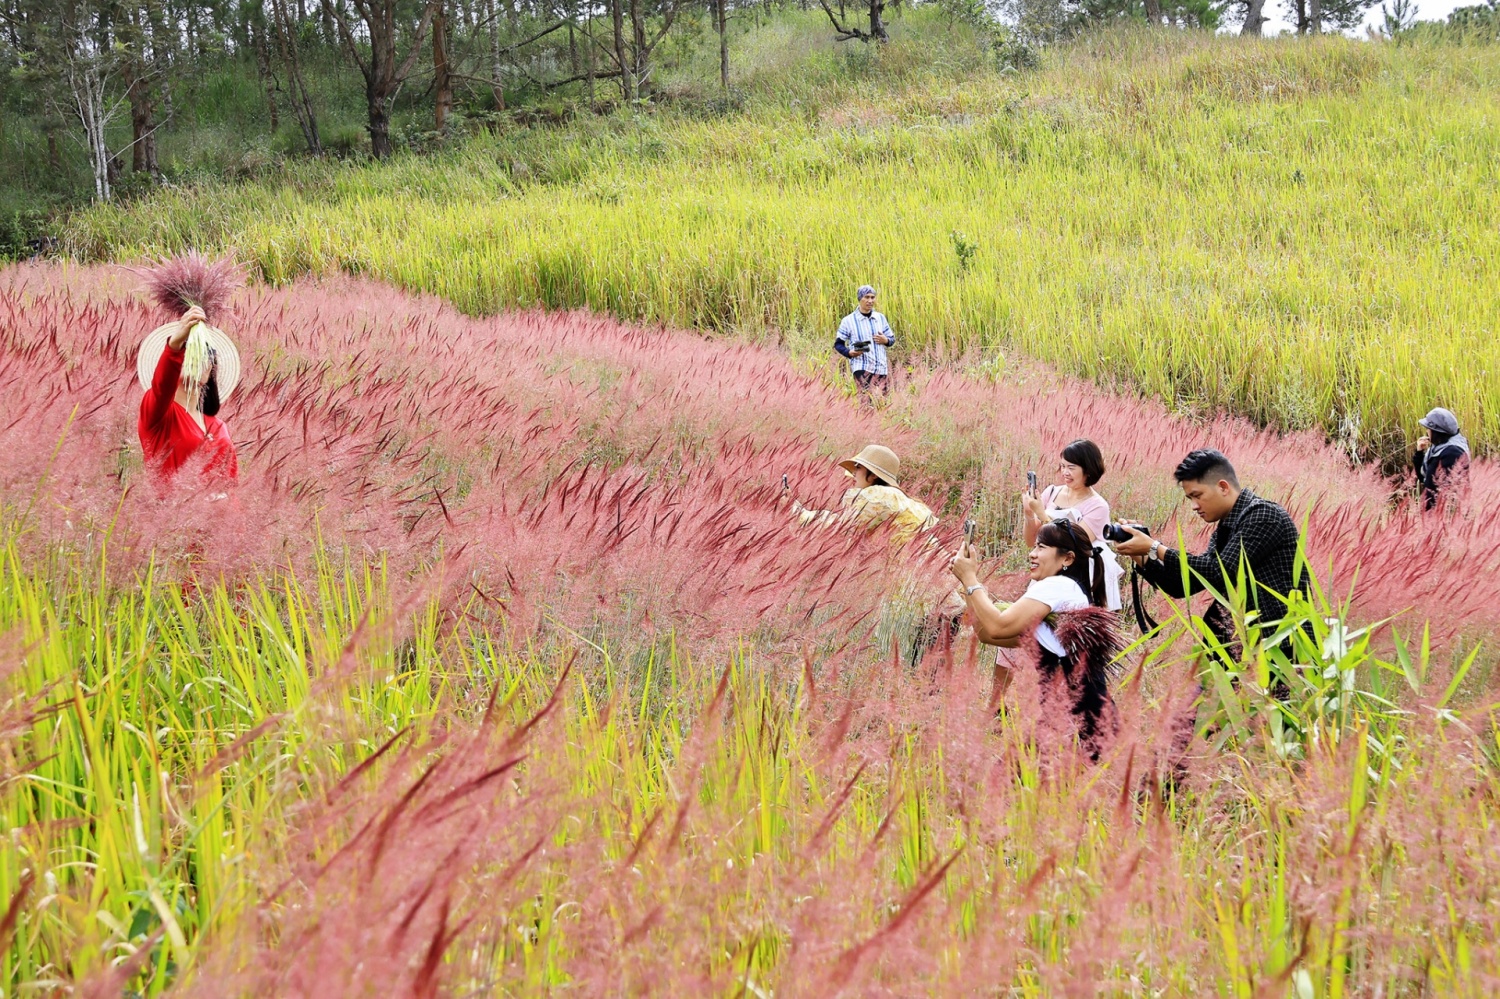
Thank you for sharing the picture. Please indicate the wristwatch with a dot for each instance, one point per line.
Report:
(1155, 552)
(969, 590)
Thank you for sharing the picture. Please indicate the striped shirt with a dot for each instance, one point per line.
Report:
(858, 328)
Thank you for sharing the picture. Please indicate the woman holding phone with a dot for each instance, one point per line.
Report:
(1074, 498)
(1062, 611)
(874, 498)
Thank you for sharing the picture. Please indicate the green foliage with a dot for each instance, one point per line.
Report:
(1477, 23)
(23, 232)
(964, 249)
(1137, 192)
(1313, 682)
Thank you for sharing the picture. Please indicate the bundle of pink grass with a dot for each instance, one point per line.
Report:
(569, 465)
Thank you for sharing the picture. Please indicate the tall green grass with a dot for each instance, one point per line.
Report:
(1295, 230)
(167, 750)
(152, 733)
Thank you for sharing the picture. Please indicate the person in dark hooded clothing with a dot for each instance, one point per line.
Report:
(1441, 460)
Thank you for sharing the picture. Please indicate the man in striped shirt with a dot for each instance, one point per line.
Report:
(863, 337)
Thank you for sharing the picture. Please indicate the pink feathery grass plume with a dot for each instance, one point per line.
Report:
(188, 279)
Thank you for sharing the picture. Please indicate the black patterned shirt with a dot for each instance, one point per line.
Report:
(1256, 532)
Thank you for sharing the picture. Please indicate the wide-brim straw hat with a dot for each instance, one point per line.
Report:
(228, 356)
(880, 460)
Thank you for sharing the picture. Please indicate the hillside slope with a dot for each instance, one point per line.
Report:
(1299, 231)
(504, 668)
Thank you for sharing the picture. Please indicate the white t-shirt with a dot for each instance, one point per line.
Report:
(1060, 594)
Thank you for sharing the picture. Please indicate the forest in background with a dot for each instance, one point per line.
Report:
(103, 100)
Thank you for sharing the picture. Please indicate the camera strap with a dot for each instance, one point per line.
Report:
(1143, 620)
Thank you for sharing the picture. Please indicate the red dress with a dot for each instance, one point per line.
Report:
(170, 438)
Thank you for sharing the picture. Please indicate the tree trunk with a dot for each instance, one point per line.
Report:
(442, 83)
(1153, 11)
(137, 73)
(1315, 16)
(723, 48)
(379, 122)
(1254, 19)
(380, 129)
(639, 54)
(161, 56)
(491, 18)
(589, 64)
(877, 26)
(627, 75)
(142, 125)
(267, 75)
(380, 85)
(302, 106)
(88, 100)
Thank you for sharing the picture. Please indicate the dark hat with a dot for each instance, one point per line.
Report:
(1441, 420)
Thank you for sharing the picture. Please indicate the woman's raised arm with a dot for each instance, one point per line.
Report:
(1004, 626)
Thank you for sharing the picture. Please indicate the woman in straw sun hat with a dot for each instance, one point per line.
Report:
(875, 497)
(188, 369)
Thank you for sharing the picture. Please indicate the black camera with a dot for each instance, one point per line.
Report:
(865, 346)
(1115, 533)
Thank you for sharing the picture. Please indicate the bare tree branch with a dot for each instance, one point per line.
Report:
(843, 34)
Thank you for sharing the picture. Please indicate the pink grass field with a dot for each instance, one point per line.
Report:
(566, 460)
(574, 484)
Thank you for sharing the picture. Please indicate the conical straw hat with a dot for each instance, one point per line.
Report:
(218, 342)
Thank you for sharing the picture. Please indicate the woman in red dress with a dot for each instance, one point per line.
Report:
(188, 369)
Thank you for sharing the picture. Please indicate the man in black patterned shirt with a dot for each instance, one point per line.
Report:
(1249, 531)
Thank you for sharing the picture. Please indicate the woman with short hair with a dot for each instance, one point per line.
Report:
(1074, 498)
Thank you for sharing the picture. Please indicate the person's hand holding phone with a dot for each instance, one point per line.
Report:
(1031, 502)
(1034, 506)
(1423, 443)
(965, 566)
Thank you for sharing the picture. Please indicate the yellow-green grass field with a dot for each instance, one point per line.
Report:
(1301, 231)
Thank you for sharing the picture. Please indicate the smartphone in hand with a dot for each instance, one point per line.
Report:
(1031, 483)
(969, 535)
(786, 483)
